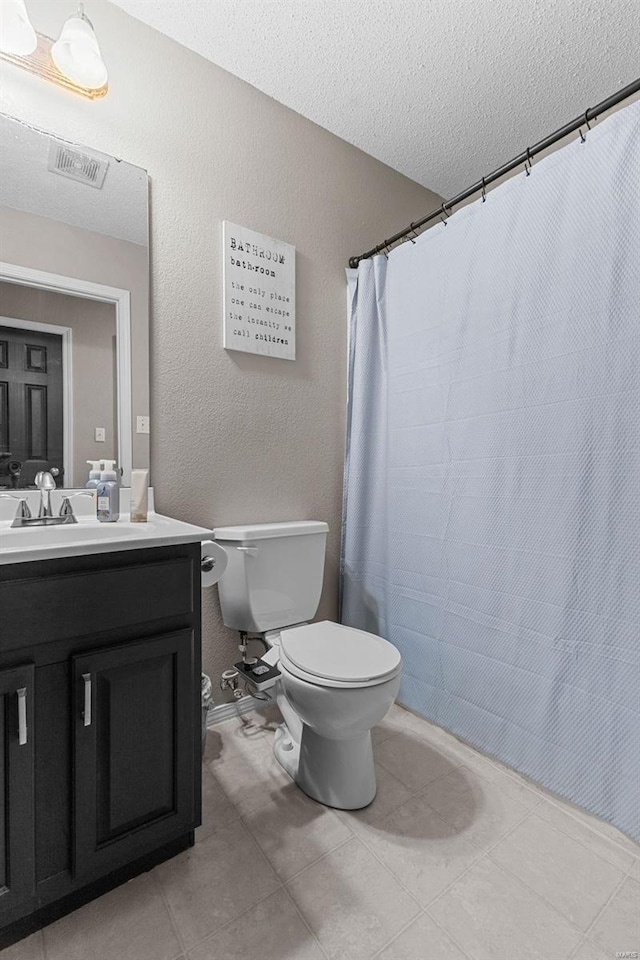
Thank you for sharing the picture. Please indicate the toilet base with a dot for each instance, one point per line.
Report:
(337, 773)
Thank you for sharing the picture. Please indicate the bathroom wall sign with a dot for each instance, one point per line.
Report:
(259, 281)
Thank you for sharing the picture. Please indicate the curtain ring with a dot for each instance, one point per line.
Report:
(415, 233)
(445, 216)
(528, 164)
(586, 119)
(484, 191)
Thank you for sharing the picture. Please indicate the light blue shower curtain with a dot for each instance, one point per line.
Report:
(492, 500)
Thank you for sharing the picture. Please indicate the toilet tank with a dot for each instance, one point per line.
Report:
(274, 575)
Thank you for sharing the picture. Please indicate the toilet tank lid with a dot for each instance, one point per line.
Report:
(263, 531)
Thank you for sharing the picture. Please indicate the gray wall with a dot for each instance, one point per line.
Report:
(234, 437)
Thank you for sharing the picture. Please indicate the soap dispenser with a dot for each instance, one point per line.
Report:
(94, 474)
(108, 493)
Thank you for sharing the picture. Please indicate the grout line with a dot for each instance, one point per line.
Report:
(527, 811)
(482, 854)
(448, 934)
(419, 790)
(322, 856)
(604, 907)
(574, 952)
(584, 843)
(539, 896)
(305, 921)
(174, 926)
(398, 934)
(237, 916)
(260, 851)
(228, 923)
(389, 870)
(565, 808)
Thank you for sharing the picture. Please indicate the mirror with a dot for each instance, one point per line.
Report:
(74, 310)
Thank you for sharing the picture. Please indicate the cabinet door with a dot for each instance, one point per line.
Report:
(17, 831)
(134, 722)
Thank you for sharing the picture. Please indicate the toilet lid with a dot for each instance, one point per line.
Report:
(334, 652)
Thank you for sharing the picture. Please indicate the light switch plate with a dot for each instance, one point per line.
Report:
(143, 425)
(100, 435)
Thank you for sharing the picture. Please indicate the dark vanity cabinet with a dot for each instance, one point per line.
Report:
(99, 725)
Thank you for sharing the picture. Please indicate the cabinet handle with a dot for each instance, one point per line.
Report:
(87, 699)
(22, 716)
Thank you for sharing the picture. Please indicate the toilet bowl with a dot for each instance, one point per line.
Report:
(336, 682)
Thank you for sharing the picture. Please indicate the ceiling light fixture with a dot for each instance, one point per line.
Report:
(16, 33)
(74, 61)
(77, 55)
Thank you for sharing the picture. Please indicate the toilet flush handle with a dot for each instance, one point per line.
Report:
(252, 551)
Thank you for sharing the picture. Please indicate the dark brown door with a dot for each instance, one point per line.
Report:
(31, 424)
(134, 730)
(17, 831)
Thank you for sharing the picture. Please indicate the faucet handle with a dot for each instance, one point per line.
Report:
(23, 510)
(66, 514)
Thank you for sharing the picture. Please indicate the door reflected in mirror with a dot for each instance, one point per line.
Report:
(60, 378)
(74, 339)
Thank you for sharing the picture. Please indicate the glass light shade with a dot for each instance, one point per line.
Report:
(77, 56)
(17, 36)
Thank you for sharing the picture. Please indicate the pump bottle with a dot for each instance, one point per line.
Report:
(94, 474)
(108, 494)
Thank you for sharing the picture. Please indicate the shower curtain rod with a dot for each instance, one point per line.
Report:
(523, 158)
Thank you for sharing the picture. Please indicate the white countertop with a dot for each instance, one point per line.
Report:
(89, 536)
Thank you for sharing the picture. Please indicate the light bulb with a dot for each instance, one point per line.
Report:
(76, 53)
(17, 36)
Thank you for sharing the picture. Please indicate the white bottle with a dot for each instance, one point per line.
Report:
(108, 494)
(94, 474)
(139, 504)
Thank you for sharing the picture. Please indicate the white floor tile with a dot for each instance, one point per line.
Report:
(544, 858)
(423, 850)
(215, 882)
(617, 929)
(293, 831)
(422, 940)
(273, 930)
(495, 917)
(481, 811)
(352, 903)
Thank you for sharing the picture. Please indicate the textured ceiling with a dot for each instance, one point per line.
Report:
(442, 90)
(118, 209)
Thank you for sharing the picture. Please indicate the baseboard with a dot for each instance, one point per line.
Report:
(225, 711)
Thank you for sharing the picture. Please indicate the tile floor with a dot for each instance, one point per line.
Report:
(458, 858)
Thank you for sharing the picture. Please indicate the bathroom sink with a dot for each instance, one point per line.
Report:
(50, 536)
(20, 544)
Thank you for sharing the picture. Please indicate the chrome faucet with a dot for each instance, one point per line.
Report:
(45, 484)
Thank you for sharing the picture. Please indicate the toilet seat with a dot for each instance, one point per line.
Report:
(332, 655)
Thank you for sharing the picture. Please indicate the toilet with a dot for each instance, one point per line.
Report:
(336, 682)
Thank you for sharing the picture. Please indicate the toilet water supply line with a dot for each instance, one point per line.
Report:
(229, 678)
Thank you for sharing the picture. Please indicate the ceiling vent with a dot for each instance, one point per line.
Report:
(77, 166)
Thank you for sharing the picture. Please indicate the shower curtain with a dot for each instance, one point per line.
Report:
(492, 500)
